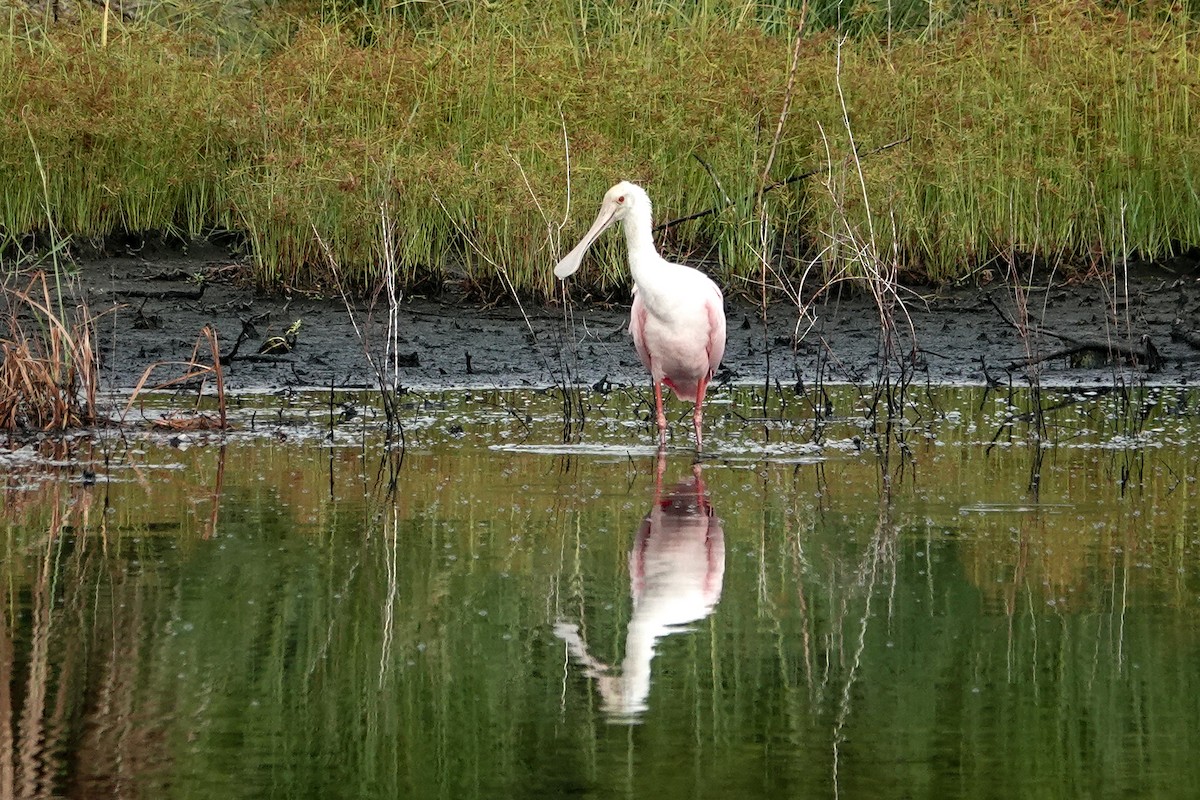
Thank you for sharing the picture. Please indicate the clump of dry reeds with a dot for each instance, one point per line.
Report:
(48, 366)
(855, 251)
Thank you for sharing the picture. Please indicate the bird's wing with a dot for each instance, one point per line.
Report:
(716, 329)
(637, 327)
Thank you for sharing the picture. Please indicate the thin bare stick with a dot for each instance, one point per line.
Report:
(211, 334)
(716, 181)
(764, 225)
(387, 397)
(785, 109)
(567, 159)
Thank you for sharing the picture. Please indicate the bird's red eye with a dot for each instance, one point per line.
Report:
(621, 199)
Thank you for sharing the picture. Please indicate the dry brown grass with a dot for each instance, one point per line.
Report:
(49, 368)
(48, 365)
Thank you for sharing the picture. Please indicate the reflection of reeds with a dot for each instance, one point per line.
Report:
(877, 566)
(8, 772)
(48, 670)
(30, 745)
(345, 641)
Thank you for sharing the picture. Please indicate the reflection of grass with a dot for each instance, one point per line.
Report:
(1052, 128)
(403, 648)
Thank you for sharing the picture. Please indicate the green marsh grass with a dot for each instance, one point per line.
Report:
(1048, 128)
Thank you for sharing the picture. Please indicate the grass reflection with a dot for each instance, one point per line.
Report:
(265, 618)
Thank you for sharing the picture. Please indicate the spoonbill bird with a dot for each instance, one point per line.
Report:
(678, 314)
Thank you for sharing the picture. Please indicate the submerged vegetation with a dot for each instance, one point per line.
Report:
(1060, 129)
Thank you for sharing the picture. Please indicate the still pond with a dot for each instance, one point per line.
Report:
(971, 603)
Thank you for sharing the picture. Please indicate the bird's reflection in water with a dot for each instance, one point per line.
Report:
(676, 569)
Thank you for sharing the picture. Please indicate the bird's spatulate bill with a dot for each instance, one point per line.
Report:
(573, 259)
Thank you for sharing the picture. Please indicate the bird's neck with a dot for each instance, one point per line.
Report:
(639, 238)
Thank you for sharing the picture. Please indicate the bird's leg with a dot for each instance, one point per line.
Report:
(698, 412)
(662, 418)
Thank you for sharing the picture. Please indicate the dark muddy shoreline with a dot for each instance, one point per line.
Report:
(152, 310)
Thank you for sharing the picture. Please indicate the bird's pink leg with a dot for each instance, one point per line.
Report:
(698, 412)
(662, 418)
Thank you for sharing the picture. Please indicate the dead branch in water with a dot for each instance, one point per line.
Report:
(1142, 352)
(1145, 353)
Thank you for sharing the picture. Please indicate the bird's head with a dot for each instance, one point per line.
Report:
(625, 199)
(620, 202)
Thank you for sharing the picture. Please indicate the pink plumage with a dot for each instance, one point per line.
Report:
(678, 314)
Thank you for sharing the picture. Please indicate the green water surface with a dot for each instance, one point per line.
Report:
(957, 607)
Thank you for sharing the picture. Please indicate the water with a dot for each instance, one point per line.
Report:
(953, 610)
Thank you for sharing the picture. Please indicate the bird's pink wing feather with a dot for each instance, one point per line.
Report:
(716, 330)
(637, 327)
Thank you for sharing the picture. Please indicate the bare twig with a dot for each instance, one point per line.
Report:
(716, 181)
(1144, 353)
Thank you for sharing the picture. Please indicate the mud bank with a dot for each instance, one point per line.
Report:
(153, 311)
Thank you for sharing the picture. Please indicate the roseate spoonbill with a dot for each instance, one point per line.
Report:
(678, 314)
